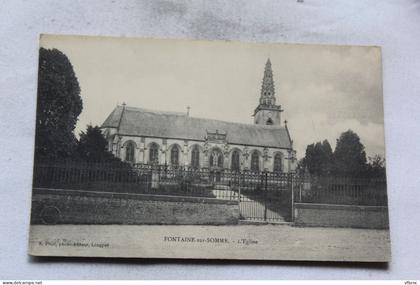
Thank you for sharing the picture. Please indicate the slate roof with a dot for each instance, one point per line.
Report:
(142, 122)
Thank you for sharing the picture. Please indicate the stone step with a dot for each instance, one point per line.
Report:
(221, 187)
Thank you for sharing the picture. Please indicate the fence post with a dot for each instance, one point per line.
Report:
(239, 188)
(293, 197)
(300, 190)
(265, 195)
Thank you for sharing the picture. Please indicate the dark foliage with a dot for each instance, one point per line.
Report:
(318, 158)
(92, 147)
(58, 106)
(347, 160)
(349, 156)
(376, 166)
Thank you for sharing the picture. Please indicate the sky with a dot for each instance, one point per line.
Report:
(323, 89)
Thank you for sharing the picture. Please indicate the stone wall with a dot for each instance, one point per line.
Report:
(326, 215)
(81, 207)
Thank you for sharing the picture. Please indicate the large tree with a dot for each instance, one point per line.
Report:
(349, 155)
(92, 146)
(58, 106)
(318, 158)
(376, 167)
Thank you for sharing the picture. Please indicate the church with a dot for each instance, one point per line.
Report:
(141, 136)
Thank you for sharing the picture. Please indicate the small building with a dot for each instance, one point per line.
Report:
(142, 136)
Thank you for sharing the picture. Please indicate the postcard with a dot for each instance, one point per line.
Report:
(155, 148)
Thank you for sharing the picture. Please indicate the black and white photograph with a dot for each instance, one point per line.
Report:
(209, 150)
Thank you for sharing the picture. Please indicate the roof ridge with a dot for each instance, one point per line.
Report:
(109, 120)
(122, 114)
(129, 108)
(268, 127)
(145, 122)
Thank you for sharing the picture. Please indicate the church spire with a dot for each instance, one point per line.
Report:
(267, 112)
(267, 89)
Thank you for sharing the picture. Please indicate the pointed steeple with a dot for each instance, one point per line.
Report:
(267, 89)
(267, 112)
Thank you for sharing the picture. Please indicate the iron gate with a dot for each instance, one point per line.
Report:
(266, 197)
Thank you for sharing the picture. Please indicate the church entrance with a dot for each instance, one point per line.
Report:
(216, 165)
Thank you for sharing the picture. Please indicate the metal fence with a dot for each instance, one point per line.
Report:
(110, 178)
(262, 196)
(341, 190)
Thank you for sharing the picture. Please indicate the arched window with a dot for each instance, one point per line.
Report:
(154, 154)
(216, 158)
(175, 155)
(129, 152)
(255, 162)
(220, 160)
(278, 163)
(269, 121)
(195, 157)
(235, 161)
